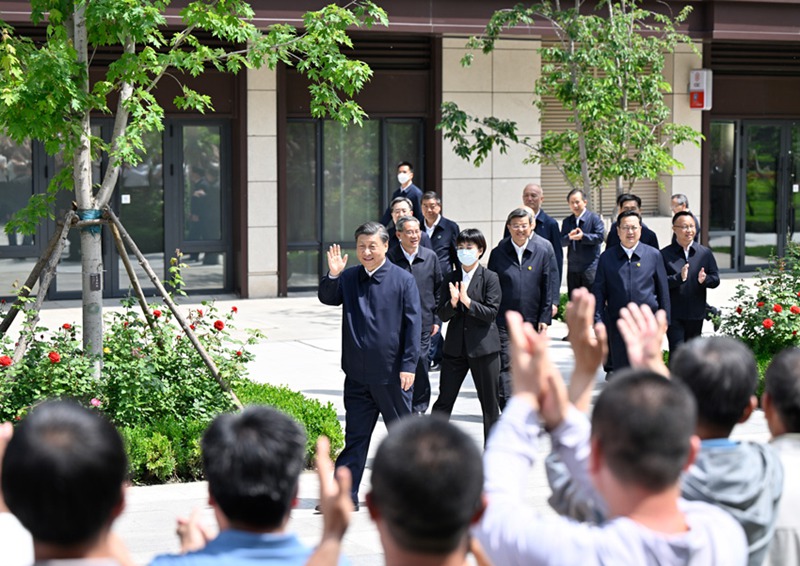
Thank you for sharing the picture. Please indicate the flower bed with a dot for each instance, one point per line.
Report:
(154, 385)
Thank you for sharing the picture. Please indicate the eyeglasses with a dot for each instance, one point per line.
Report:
(519, 227)
(629, 228)
(685, 228)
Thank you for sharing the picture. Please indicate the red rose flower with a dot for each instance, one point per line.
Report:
(199, 312)
(66, 326)
(234, 309)
(156, 313)
(738, 310)
(55, 357)
(125, 323)
(219, 325)
(760, 304)
(192, 326)
(5, 361)
(768, 323)
(777, 308)
(795, 309)
(794, 332)
(239, 353)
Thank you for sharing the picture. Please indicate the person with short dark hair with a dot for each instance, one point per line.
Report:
(743, 478)
(423, 264)
(526, 267)
(583, 234)
(469, 300)
(691, 271)
(381, 330)
(680, 203)
(252, 461)
(630, 201)
(640, 440)
(400, 208)
(631, 272)
(442, 233)
(407, 189)
(63, 477)
(781, 402)
(427, 487)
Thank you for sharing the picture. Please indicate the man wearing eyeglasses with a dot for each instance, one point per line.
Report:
(691, 270)
(525, 263)
(630, 272)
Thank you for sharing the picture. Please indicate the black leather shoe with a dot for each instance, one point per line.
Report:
(436, 367)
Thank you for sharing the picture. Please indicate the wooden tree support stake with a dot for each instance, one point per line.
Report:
(44, 284)
(14, 308)
(171, 304)
(123, 254)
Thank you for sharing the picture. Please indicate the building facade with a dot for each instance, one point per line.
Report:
(254, 193)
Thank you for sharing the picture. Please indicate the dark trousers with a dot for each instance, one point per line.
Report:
(485, 373)
(577, 279)
(363, 402)
(617, 352)
(435, 351)
(504, 384)
(682, 330)
(422, 385)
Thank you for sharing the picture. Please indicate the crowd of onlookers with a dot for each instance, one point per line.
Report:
(647, 476)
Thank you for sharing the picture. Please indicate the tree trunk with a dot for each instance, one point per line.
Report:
(91, 249)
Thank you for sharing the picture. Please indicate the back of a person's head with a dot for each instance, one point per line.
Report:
(643, 424)
(782, 382)
(63, 473)
(427, 481)
(721, 373)
(252, 461)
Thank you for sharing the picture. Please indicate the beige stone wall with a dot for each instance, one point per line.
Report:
(688, 180)
(262, 183)
(499, 84)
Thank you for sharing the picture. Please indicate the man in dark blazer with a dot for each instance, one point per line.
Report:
(680, 203)
(405, 176)
(583, 233)
(691, 269)
(630, 272)
(381, 327)
(401, 207)
(423, 264)
(442, 233)
(629, 201)
(526, 266)
(545, 225)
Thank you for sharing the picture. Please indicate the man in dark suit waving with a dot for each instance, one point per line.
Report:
(381, 328)
(582, 232)
(423, 264)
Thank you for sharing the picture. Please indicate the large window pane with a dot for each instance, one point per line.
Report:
(722, 214)
(763, 144)
(301, 182)
(16, 186)
(202, 194)
(351, 178)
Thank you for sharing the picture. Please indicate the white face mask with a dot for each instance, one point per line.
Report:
(403, 178)
(467, 256)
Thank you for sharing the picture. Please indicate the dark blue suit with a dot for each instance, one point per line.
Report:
(547, 227)
(412, 193)
(582, 255)
(688, 298)
(428, 276)
(444, 237)
(641, 280)
(381, 328)
(527, 288)
(648, 237)
(443, 241)
(394, 242)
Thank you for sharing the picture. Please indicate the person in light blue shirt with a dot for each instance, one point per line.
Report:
(252, 461)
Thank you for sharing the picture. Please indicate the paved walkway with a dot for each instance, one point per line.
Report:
(302, 350)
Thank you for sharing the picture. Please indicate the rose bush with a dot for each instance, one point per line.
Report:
(154, 386)
(765, 314)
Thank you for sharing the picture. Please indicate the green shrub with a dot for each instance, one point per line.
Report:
(562, 307)
(318, 420)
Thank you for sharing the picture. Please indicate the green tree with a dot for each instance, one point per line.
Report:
(45, 92)
(605, 68)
